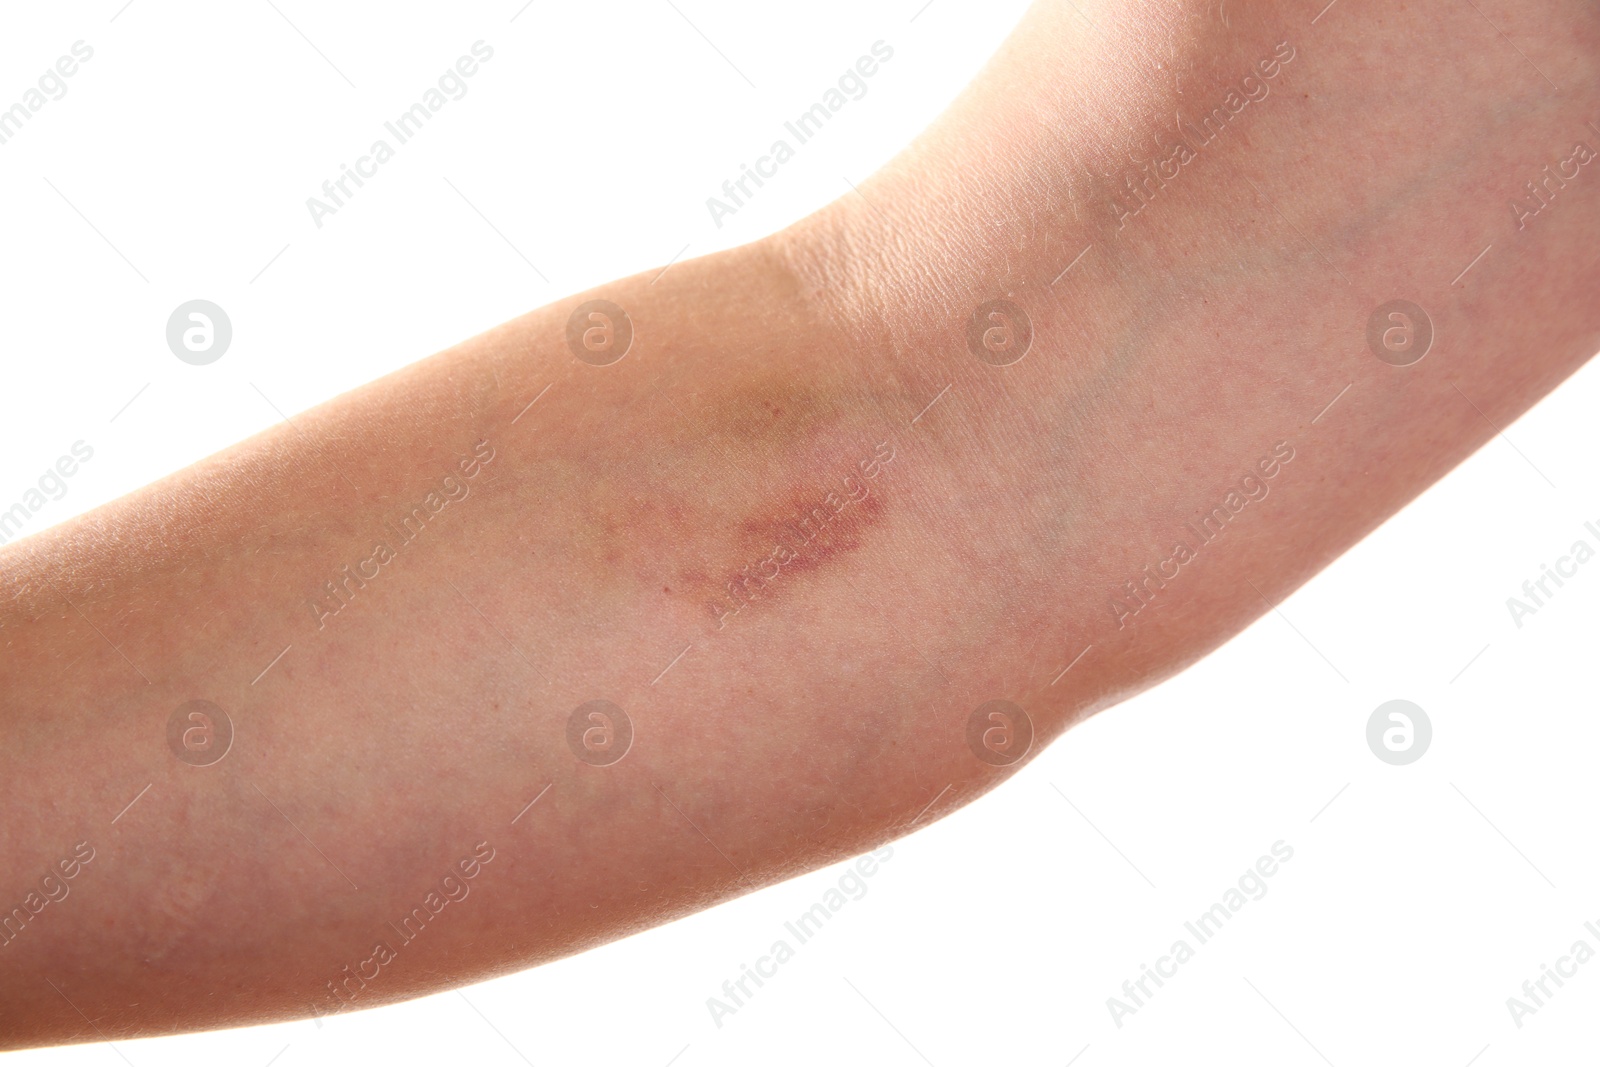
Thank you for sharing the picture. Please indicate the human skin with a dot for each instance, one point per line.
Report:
(592, 554)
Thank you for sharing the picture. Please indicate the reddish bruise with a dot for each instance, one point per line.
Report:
(784, 547)
(727, 546)
(813, 528)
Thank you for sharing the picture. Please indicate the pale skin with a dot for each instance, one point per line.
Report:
(590, 558)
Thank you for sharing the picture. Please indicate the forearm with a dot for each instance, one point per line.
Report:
(399, 672)
(711, 534)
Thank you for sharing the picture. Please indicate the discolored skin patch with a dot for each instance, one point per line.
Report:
(808, 532)
(770, 493)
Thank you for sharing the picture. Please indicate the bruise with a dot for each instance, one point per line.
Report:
(804, 533)
(764, 494)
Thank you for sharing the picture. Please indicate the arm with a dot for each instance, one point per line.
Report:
(798, 533)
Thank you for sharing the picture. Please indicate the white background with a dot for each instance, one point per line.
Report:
(1417, 901)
